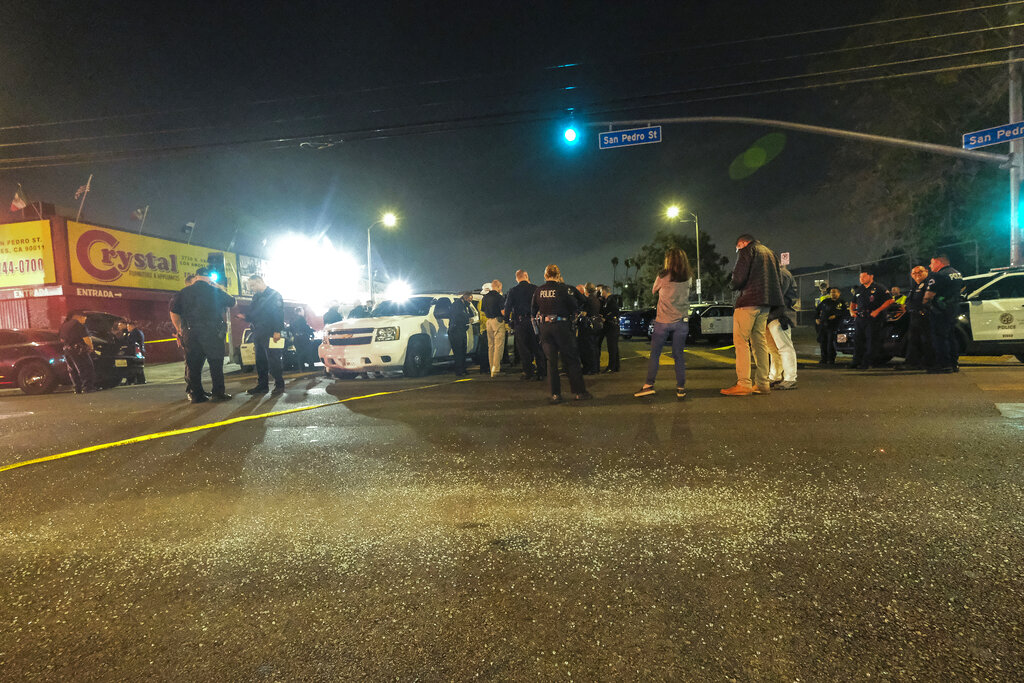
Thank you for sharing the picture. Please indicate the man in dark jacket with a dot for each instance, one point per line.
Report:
(756, 277)
(302, 339)
(462, 314)
(135, 343)
(77, 347)
(266, 318)
(827, 315)
(517, 312)
(198, 314)
(333, 314)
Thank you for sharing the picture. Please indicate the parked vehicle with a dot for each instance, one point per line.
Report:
(710, 322)
(636, 323)
(247, 350)
(110, 356)
(401, 334)
(32, 360)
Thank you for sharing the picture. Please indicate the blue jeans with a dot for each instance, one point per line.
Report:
(659, 335)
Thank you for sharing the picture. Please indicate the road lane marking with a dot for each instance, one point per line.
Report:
(212, 425)
(1011, 410)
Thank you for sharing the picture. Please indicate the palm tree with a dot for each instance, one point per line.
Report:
(615, 264)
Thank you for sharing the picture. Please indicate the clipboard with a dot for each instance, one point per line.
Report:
(279, 344)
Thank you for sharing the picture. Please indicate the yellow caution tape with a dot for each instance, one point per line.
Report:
(211, 425)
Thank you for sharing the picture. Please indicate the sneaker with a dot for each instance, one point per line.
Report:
(645, 390)
(762, 389)
(738, 390)
(279, 389)
(257, 390)
(585, 396)
(555, 398)
(787, 385)
(680, 392)
(774, 383)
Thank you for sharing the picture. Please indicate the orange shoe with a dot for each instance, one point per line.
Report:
(738, 390)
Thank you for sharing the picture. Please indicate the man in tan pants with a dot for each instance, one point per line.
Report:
(756, 277)
(492, 305)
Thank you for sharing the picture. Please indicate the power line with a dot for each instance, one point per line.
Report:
(445, 81)
(447, 125)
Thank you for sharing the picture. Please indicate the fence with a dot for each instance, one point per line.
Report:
(891, 271)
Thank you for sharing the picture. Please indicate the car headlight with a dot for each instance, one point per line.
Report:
(386, 334)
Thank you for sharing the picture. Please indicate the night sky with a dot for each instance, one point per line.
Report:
(485, 188)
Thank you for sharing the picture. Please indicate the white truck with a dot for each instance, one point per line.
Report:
(991, 321)
(402, 334)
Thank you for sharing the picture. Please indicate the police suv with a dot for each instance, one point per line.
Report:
(991, 320)
(401, 334)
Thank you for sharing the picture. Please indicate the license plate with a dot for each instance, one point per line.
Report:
(841, 338)
(120, 363)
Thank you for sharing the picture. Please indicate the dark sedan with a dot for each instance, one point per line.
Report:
(636, 323)
(32, 360)
(110, 355)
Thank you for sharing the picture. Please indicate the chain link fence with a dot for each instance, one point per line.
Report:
(891, 271)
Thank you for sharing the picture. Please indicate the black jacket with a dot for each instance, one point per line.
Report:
(492, 304)
(266, 313)
(519, 300)
(756, 277)
(461, 315)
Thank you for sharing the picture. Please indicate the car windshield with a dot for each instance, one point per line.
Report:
(417, 305)
(973, 284)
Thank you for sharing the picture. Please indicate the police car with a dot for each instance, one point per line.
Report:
(990, 323)
(401, 334)
(711, 322)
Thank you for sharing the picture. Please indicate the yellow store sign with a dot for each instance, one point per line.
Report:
(26, 254)
(101, 256)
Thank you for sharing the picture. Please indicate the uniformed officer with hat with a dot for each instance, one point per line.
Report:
(555, 306)
(942, 296)
(869, 303)
(198, 314)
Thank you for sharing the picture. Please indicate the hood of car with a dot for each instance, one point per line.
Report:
(363, 323)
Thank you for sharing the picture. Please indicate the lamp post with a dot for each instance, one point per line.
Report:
(676, 213)
(388, 220)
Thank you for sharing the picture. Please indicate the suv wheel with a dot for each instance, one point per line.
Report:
(418, 358)
(35, 377)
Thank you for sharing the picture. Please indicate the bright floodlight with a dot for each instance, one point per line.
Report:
(397, 290)
(389, 219)
(672, 212)
(312, 272)
(570, 135)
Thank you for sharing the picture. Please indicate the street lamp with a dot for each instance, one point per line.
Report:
(388, 220)
(679, 214)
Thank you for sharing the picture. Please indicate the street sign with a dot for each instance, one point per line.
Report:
(784, 258)
(628, 138)
(993, 136)
(698, 285)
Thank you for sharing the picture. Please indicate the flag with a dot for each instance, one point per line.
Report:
(84, 189)
(188, 227)
(137, 214)
(18, 203)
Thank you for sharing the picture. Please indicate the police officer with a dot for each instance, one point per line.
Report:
(302, 339)
(556, 306)
(870, 300)
(518, 313)
(189, 279)
(919, 347)
(827, 316)
(266, 318)
(198, 316)
(78, 352)
(462, 315)
(611, 307)
(898, 296)
(333, 314)
(135, 344)
(942, 296)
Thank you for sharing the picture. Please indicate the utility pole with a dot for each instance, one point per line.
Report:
(1016, 161)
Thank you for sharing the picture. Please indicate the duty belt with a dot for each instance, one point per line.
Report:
(553, 319)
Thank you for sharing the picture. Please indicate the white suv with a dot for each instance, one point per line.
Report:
(409, 335)
(992, 314)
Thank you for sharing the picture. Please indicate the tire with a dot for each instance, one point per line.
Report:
(1019, 356)
(341, 374)
(627, 336)
(35, 377)
(247, 368)
(418, 358)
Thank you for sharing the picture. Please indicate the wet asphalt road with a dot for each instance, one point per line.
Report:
(868, 524)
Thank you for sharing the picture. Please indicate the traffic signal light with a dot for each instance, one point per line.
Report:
(571, 136)
(215, 261)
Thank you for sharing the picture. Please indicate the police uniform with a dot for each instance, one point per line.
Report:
(867, 345)
(459, 318)
(829, 311)
(946, 284)
(135, 344)
(265, 317)
(202, 308)
(78, 356)
(919, 345)
(589, 332)
(556, 304)
(611, 307)
(518, 311)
